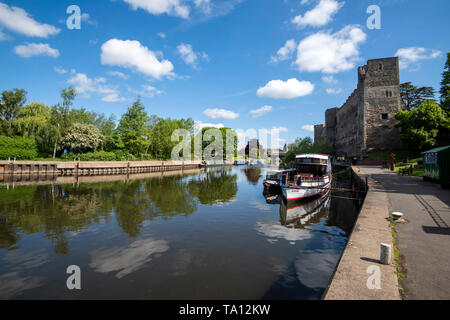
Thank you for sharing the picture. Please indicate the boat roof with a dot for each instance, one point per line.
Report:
(313, 156)
(281, 171)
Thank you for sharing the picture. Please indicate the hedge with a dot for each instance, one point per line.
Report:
(18, 147)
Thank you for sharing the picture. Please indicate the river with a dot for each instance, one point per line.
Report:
(202, 234)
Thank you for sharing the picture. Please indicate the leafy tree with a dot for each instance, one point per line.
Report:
(305, 145)
(11, 103)
(82, 138)
(421, 126)
(133, 129)
(445, 86)
(229, 136)
(413, 96)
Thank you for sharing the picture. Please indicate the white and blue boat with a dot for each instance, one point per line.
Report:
(312, 177)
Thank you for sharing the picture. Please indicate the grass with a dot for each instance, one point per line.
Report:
(416, 172)
(398, 267)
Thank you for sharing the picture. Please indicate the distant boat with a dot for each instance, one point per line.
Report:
(312, 177)
(273, 178)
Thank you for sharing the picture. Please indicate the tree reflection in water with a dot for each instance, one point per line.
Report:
(56, 210)
(215, 186)
(253, 175)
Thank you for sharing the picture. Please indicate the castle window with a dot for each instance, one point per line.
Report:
(385, 116)
(380, 67)
(388, 93)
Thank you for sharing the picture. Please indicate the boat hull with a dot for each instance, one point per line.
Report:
(298, 193)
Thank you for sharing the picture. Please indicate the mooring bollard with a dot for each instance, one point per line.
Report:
(385, 253)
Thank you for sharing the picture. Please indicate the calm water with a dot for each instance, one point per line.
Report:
(203, 235)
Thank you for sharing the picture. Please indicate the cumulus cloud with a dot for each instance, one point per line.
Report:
(284, 52)
(158, 7)
(132, 54)
(199, 125)
(3, 36)
(86, 18)
(274, 130)
(19, 21)
(85, 85)
(36, 49)
(319, 16)
(330, 53)
(334, 90)
(308, 127)
(203, 5)
(261, 111)
(221, 113)
(189, 56)
(410, 56)
(290, 89)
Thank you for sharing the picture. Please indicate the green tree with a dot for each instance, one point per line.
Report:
(82, 138)
(11, 103)
(445, 86)
(413, 96)
(305, 145)
(421, 126)
(133, 129)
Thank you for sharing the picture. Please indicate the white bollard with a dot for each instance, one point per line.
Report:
(385, 253)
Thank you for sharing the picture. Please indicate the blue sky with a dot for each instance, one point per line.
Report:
(240, 63)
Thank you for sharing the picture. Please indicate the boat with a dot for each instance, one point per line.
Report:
(273, 178)
(312, 177)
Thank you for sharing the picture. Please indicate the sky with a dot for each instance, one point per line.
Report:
(244, 64)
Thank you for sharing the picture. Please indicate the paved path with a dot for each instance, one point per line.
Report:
(363, 253)
(424, 242)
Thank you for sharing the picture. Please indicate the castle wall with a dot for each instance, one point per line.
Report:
(366, 121)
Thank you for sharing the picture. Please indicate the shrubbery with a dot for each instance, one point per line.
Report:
(18, 147)
(116, 155)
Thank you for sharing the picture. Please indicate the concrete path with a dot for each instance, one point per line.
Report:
(361, 256)
(424, 241)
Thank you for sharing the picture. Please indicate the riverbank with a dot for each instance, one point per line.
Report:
(89, 168)
(350, 281)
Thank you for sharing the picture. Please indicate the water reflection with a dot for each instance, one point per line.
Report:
(169, 236)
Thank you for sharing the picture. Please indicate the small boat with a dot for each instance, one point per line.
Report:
(273, 178)
(312, 177)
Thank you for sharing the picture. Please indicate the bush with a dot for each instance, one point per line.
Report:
(97, 156)
(18, 147)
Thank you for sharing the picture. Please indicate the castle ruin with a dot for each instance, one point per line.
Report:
(366, 121)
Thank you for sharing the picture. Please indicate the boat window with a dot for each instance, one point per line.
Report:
(316, 171)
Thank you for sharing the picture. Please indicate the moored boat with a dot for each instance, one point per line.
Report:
(274, 177)
(312, 177)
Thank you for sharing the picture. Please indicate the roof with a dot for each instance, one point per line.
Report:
(436, 150)
(313, 155)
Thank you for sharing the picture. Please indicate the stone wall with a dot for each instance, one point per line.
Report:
(366, 121)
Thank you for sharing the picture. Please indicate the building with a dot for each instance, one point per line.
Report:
(366, 121)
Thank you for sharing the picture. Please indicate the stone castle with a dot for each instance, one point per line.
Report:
(366, 121)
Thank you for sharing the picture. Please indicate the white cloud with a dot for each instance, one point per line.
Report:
(261, 111)
(60, 70)
(147, 91)
(158, 7)
(162, 35)
(203, 5)
(411, 55)
(330, 53)
(19, 21)
(85, 85)
(3, 36)
(118, 74)
(329, 79)
(199, 125)
(309, 128)
(86, 18)
(133, 55)
(290, 89)
(221, 113)
(319, 16)
(334, 90)
(189, 56)
(284, 52)
(274, 130)
(36, 49)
